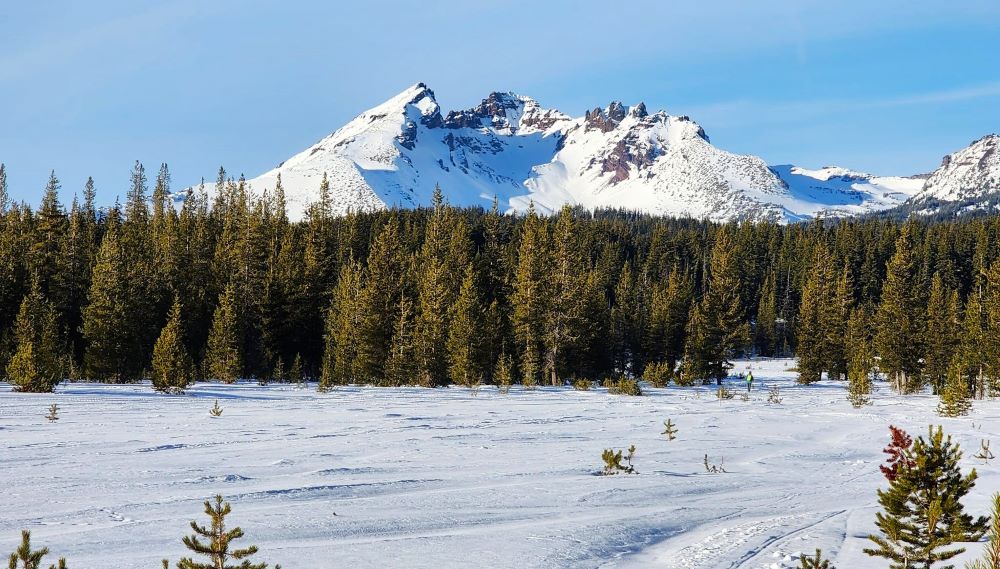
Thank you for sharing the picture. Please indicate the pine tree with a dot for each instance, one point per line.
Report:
(972, 356)
(564, 321)
(22, 370)
(765, 323)
(117, 318)
(295, 374)
(173, 369)
(24, 558)
(378, 301)
(991, 347)
(219, 539)
(464, 343)
(668, 311)
(942, 332)
(900, 321)
(723, 303)
(223, 360)
(922, 510)
(814, 349)
(702, 357)
(35, 367)
(991, 557)
(341, 336)
(625, 333)
(861, 359)
(815, 562)
(898, 450)
(531, 296)
(400, 369)
(955, 393)
(46, 258)
(835, 329)
(442, 258)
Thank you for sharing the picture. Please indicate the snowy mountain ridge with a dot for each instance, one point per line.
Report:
(970, 173)
(511, 148)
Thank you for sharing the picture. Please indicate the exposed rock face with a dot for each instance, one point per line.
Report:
(971, 173)
(605, 120)
(627, 153)
(511, 148)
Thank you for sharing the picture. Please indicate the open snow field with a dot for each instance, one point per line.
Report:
(412, 478)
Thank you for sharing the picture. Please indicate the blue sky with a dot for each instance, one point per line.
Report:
(885, 86)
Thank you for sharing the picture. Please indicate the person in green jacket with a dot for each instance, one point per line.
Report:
(749, 380)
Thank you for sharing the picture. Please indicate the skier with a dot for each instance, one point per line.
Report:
(749, 380)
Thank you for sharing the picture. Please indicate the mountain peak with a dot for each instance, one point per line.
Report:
(619, 156)
(969, 173)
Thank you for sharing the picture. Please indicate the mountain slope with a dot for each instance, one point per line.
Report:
(511, 148)
(968, 174)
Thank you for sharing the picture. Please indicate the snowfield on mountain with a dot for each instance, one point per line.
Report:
(413, 478)
(510, 148)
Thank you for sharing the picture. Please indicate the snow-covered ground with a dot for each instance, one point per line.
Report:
(412, 478)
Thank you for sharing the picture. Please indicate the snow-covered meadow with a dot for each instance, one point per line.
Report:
(412, 478)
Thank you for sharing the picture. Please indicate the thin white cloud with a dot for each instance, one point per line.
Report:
(742, 112)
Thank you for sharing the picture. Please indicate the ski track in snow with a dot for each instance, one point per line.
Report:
(413, 478)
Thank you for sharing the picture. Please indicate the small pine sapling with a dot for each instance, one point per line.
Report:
(504, 373)
(216, 549)
(774, 395)
(815, 562)
(215, 411)
(991, 555)
(898, 451)
(24, 558)
(955, 397)
(295, 374)
(984, 453)
(669, 430)
(582, 384)
(53, 413)
(628, 458)
(613, 461)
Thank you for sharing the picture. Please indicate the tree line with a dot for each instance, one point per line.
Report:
(222, 285)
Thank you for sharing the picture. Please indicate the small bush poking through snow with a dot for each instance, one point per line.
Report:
(613, 462)
(669, 430)
(724, 393)
(215, 411)
(582, 384)
(658, 374)
(623, 386)
(53, 413)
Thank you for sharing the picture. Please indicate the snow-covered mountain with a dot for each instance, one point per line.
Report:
(512, 148)
(832, 191)
(972, 173)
